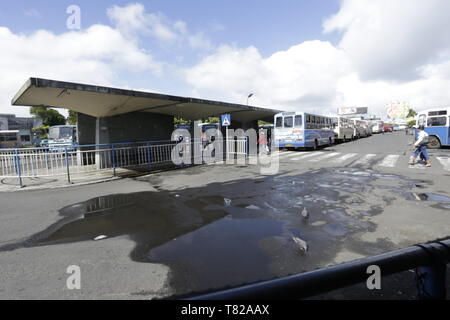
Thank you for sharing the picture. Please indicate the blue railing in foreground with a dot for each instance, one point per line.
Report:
(429, 260)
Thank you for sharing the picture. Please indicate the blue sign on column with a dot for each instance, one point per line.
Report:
(225, 120)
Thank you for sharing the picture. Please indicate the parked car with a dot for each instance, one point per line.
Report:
(43, 143)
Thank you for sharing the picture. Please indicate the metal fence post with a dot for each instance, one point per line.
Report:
(67, 164)
(247, 146)
(18, 169)
(113, 158)
(149, 154)
(46, 161)
(432, 281)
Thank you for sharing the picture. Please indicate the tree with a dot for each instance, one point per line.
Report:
(411, 123)
(211, 120)
(263, 123)
(181, 121)
(411, 113)
(73, 118)
(41, 132)
(49, 116)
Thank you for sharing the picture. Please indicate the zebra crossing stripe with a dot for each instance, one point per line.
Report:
(306, 156)
(286, 154)
(445, 162)
(365, 160)
(297, 155)
(326, 156)
(389, 161)
(344, 158)
(417, 166)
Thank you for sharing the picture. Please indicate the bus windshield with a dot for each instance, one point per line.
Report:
(279, 122)
(57, 133)
(288, 122)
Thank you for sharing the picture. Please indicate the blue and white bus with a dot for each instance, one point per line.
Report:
(60, 137)
(437, 125)
(303, 130)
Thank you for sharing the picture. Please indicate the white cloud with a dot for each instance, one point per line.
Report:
(302, 76)
(96, 55)
(389, 50)
(391, 40)
(133, 21)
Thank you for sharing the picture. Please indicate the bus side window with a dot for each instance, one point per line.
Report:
(298, 121)
(309, 124)
(437, 121)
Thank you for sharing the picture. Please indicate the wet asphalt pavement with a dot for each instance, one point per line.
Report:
(216, 226)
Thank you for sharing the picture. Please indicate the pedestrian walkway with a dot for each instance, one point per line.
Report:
(360, 159)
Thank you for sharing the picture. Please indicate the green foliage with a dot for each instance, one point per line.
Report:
(181, 121)
(73, 118)
(411, 123)
(263, 123)
(212, 120)
(411, 113)
(42, 132)
(50, 117)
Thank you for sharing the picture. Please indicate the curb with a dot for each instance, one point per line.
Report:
(34, 188)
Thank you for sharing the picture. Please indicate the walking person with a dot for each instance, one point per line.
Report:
(262, 141)
(421, 148)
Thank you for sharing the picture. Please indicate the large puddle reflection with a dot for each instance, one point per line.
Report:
(240, 232)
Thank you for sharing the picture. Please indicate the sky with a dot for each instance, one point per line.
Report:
(300, 55)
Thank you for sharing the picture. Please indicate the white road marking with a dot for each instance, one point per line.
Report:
(286, 154)
(326, 156)
(417, 166)
(445, 162)
(365, 160)
(312, 154)
(389, 161)
(298, 155)
(344, 158)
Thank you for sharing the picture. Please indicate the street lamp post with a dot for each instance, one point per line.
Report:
(249, 96)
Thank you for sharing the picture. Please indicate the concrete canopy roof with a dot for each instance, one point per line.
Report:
(105, 102)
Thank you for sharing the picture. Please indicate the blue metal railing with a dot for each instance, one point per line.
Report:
(36, 162)
(430, 261)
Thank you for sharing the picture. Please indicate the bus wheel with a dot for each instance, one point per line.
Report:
(434, 143)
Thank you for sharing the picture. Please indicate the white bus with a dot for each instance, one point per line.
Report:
(302, 130)
(377, 126)
(359, 130)
(367, 127)
(343, 128)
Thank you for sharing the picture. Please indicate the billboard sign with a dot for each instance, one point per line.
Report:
(398, 110)
(350, 111)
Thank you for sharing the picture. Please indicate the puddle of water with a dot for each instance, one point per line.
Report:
(234, 233)
(150, 219)
(431, 197)
(223, 253)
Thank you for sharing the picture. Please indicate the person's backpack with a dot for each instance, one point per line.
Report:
(425, 141)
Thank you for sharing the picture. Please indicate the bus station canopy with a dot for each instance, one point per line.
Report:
(100, 101)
